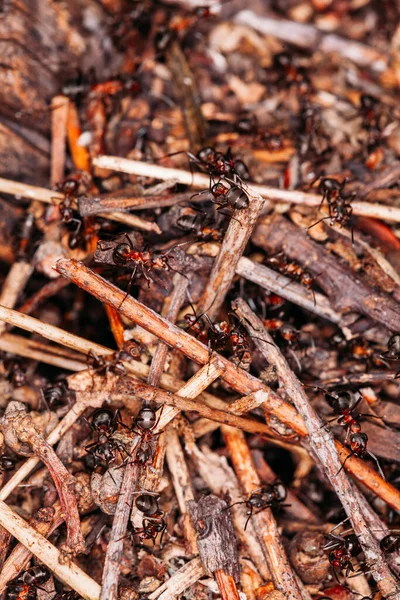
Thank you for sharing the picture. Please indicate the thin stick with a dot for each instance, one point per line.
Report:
(233, 246)
(322, 443)
(112, 564)
(8, 186)
(69, 573)
(265, 524)
(200, 181)
(226, 585)
(221, 479)
(152, 394)
(180, 581)
(311, 38)
(13, 285)
(94, 400)
(59, 116)
(287, 288)
(240, 380)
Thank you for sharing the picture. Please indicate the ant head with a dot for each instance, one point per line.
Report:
(146, 418)
(102, 418)
(394, 343)
(7, 463)
(390, 543)
(345, 400)
(367, 102)
(279, 491)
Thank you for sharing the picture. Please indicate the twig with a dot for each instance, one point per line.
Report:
(109, 587)
(240, 380)
(345, 289)
(94, 400)
(20, 556)
(8, 186)
(200, 181)
(69, 573)
(235, 241)
(322, 443)
(59, 116)
(13, 285)
(265, 524)
(311, 38)
(152, 394)
(221, 479)
(217, 543)
(20, 432)
(287, 288)
(180, 581)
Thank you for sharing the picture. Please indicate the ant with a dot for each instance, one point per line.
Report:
(234, 197)
(360, 351)
(70, 188)
(344, 403)
(104, 423)
(25, 235)
(342, 549)
(153, 522)
(144, 261)
(219, 335)
(189, 221)
(108, 364)
(280, 262)
(218, 164)
(16, 374)
(267, 496)
(24, 586)
(145, 423)
(390, 543)
(290, 74)
(393, 351)
(54, 395)
(339, 204)
(6, 463)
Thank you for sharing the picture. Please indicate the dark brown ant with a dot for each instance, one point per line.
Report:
(6, 463)
(153, 523)
(144, 425)
(190, 222)
(70, 188)
(268, 496)
(24, 587)
(57, 394)
(290, 74)
(104, 423)
(393, 351)
(16, 374)
(218, 164)
(390, 543)
(108, 364)
(339, 204)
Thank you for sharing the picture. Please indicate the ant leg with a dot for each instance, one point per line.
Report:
(377, 464)
(129, 285)
(249, 512)
(162, 535)
(345, 460)
(316, 223)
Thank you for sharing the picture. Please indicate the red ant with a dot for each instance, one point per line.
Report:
(360, 351)
(342, 549)
(393, 351)
(344, 403)
(265, 497)
(153, 523)
(104, 423)
(280, 262)
(219, 335)
(291, 74)
(24, 586)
